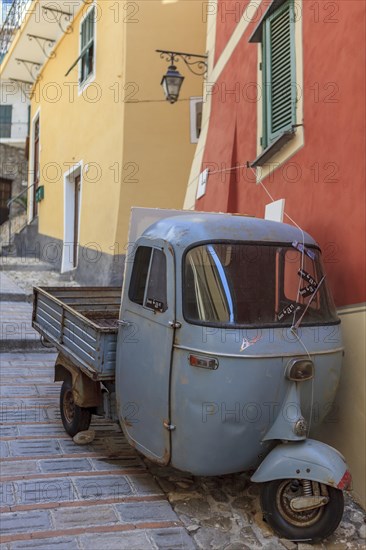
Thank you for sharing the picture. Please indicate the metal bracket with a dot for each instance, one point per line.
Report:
(123, 323)
(23, 85)
(63, 14)
(31, 66)
(311, 502)
(198, 67)
(42, 41)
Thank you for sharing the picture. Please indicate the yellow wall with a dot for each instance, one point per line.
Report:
(142, 148)
(347, 433)
(75, 128)
(157, 134)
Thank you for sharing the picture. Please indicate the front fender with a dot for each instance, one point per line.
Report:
(307, 459)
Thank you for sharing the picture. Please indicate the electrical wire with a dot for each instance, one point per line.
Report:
(293, 328)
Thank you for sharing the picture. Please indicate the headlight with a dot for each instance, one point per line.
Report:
(300, 370)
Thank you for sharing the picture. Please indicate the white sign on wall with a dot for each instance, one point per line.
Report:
(274, 211)
(201, 189)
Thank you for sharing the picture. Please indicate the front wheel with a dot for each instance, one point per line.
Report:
(74, 418)
(312, 525)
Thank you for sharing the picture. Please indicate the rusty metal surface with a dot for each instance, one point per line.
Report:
(86, 392)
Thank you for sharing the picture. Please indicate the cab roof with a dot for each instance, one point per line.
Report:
(184, 230)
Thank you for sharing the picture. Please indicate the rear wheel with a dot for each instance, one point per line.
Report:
(313, 524)
(74, 418)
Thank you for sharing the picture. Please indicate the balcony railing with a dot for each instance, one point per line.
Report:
(11, 24)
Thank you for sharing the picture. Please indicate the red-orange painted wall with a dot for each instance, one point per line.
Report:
(324, 182)
(228, 14)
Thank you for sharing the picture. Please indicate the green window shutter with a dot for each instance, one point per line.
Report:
(5, 120)
(279, 73)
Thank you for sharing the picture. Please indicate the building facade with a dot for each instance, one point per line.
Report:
(14, 131)
(102, 136)
(284, 119)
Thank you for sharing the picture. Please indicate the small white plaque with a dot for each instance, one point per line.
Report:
(201, 189)
(274, 211)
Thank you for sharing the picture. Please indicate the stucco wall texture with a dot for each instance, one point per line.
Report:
(323, 183)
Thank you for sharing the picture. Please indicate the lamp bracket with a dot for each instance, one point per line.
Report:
(197, 64)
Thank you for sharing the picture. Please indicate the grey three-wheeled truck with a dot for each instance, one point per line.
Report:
(220, 355)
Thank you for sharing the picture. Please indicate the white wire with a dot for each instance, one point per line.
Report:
(293, 329)
(303, 245)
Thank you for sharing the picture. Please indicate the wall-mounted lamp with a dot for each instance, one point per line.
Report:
(172, 81)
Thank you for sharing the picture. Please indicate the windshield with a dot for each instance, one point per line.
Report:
(251, 284)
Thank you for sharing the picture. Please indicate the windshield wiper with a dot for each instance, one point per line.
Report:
(297, 324)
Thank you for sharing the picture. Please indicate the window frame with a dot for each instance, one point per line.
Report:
(269, 137)
(291, 141)
(153, 250)
(83, 50)
(224, 325)
(193, 102)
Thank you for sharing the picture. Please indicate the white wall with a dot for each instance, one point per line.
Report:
(11, 94)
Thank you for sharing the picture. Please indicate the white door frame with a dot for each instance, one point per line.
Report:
(36, 116)
(69, 207)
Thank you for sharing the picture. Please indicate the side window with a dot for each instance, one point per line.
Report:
(140, 272)
(156, 297)
(148, 286)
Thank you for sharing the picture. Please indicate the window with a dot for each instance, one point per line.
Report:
(196, 105)
(87, 51)
(276, 34)
(5, 120)
(148, 285)
(234, 284)
(5, 8)
(278, 69)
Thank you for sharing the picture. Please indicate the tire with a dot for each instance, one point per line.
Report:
(74, 418)
(311, 525)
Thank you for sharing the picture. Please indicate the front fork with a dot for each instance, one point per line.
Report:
(290, 425)
(310, 462)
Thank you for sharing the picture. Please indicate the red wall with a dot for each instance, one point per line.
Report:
(324, 182)
(228, 15)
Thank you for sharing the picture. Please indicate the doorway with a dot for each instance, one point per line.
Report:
(5, 196)
(72, 210)
(35, 165)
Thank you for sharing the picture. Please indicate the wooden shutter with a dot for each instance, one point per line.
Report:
(5, 120)
(279, 72)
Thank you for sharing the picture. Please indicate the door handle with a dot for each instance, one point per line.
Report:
(175, 324)
(123, 323)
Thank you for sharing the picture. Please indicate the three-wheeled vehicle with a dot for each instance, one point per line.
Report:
(222, 355)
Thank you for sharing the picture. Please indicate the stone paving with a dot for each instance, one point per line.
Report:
(104, 496)
(25, 273)
(56, 494)
(16, 330)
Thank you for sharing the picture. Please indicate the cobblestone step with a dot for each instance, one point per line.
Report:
(16, 263)
(11, 292)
